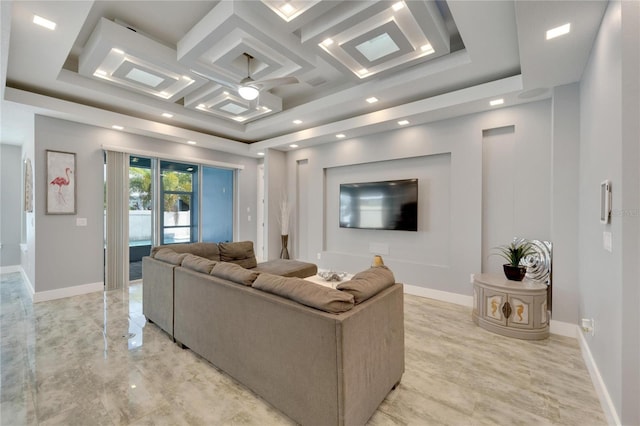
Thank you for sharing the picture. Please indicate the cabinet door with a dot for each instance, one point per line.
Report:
(492, 303)
(522, 312)
(541, 317)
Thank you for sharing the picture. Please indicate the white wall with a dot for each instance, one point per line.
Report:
(76, 253)
(458, 139)
(609, 111)
(11, 205)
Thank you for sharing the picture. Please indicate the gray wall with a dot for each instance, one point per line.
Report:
(443, 258)
(76, 253)
(11, 204)
(609, 150)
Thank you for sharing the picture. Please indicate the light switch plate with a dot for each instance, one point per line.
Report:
(81, 221)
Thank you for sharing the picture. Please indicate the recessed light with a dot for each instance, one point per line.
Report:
(187, 78)
(558, 31)
(427, 49)
(118, 51)
(202, 106)
(293, 145)
(397, 6)
(403, 122)
(43, 22)
(192, 142)
(327, 42)
(372, 100)
(341, 135)
(261, 154)
(101, 72)
(297, 121)
(496, 102)
(133, 386)
(115, 126)
(225, 93)
(363, 71)
(167, 115)
(287, 9)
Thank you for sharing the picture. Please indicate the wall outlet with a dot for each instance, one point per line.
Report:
(588, 326)
(319, 256)
(607, 241)
(472, 277)
(81, 221)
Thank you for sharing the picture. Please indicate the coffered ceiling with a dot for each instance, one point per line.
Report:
(172, 69)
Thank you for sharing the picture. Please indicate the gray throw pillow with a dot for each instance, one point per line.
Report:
(170, 256)
(233, 272)
(305, 292)
(197, 263)
(366, 284)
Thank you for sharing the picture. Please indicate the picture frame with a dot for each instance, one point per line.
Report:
(61, 182)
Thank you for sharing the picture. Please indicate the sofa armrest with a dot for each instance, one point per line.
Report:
(372, 332)
(157, 292)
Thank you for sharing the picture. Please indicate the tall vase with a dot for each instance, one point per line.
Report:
(284, 253)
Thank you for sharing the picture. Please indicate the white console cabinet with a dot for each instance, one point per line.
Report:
(510, 308)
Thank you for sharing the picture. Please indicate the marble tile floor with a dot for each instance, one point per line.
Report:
(93, 360)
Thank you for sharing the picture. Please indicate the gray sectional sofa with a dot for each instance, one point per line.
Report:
(320, 355)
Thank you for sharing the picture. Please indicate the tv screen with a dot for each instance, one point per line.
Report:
(380, 205)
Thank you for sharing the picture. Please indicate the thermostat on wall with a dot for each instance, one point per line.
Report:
(605, 201)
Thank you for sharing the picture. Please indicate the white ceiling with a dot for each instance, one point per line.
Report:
(483, 50)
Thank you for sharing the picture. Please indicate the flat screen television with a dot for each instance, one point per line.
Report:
(389, 205)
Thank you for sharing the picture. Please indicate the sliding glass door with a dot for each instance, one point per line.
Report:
(179, 201)
(217, 204)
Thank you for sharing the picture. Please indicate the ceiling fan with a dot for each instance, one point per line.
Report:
(248, 88)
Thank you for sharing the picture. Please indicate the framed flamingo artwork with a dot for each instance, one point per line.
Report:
(61, 182)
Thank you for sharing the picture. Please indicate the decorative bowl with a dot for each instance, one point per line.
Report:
(332, 275)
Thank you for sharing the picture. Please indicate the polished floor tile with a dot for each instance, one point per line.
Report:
(93, 360)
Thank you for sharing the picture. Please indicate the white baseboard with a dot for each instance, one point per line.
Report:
(10, 269)
(555, 327)
(601, 389)
(60, 293)
(445, 296)
(563, 328)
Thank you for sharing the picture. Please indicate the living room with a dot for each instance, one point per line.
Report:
(554, 150)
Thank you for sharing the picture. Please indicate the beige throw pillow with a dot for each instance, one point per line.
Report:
(305, 292)
(367, 284)
(233, 272)
(170, 256)
(238, 252)
(197, 263)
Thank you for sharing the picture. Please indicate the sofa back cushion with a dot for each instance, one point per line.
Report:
(233, 272)
(199, 264)
(367, 284)
(170, 256)
(238, 252)
(305, 292)
(206, 250)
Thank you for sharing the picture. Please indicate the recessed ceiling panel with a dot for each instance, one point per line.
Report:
(126, 58)
(218, 100)
(231, 29)
(290, 9)
(392, 38)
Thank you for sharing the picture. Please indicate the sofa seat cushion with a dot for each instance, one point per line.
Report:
(233, 272)
(238, 252)
(367, 284)
(287, 268)
(199, 264)
(170, 256)
(206, 250)
(305, 292)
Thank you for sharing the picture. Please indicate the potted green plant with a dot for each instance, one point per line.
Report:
(514, 253)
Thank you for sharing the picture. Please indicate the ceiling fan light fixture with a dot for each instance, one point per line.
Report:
(248, 92)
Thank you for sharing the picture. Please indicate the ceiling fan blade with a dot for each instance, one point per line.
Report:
(217, 80)
(274, 82)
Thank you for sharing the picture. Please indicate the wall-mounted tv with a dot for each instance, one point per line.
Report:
(380, 205)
